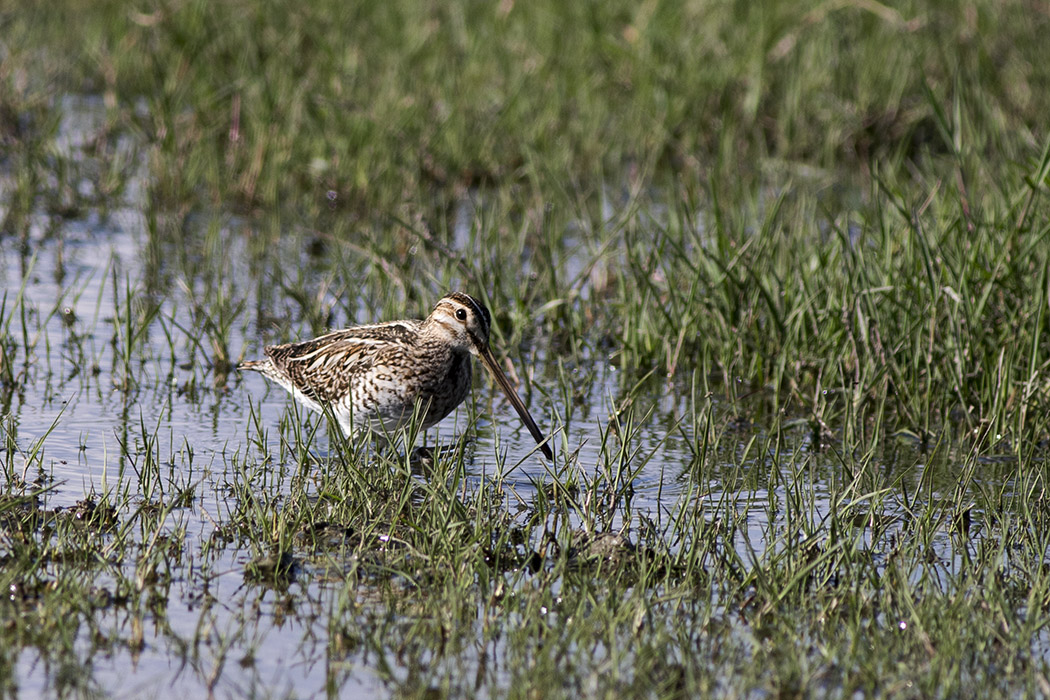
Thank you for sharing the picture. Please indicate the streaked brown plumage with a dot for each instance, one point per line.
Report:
(372, 377)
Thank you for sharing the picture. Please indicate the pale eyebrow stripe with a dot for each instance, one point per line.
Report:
(479, 311)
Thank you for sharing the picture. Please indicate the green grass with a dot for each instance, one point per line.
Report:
(777, 273)
(278, 104)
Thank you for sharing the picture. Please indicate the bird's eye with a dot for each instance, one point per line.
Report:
(461, 314)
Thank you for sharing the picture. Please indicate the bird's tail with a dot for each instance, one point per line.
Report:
(253, 365)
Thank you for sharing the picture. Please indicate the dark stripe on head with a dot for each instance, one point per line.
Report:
(479, 309)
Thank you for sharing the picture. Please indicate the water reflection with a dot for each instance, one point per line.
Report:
(118, 334)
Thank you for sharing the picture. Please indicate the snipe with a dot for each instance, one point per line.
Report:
(372, 377)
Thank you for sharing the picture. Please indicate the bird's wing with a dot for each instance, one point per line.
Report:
(324, 368)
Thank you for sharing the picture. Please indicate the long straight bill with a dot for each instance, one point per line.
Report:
(523, 413)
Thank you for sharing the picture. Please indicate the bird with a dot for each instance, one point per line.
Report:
(372, 377)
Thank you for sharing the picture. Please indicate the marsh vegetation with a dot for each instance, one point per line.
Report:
(775, 273)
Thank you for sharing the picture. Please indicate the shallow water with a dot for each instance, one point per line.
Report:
(98, 430)
(99, 411)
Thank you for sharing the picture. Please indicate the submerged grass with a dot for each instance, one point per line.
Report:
(806, 245)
